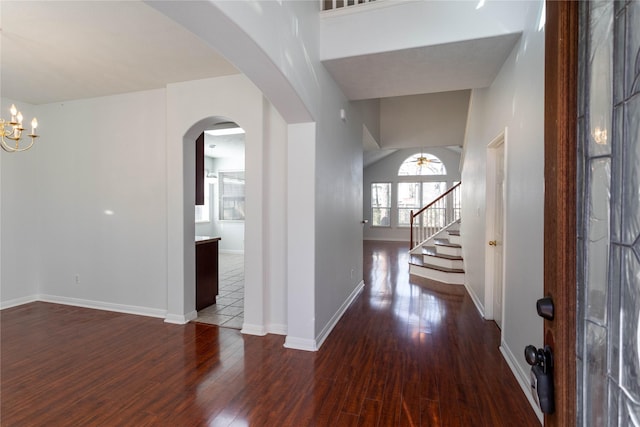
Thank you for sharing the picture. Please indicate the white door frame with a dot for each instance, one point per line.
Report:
(490, 203)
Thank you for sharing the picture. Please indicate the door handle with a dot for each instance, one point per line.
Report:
(541, 361)
(493, 243)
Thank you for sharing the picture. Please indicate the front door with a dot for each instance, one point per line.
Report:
(592, 162)
(561, 54)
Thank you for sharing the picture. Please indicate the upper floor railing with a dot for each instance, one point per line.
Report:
(338, 4)
(431, 219)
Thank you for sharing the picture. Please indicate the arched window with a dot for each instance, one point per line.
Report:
(422, 164)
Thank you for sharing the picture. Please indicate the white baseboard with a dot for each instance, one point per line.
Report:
(180, 319)
(338, 315)
(259, 330)
(250, 329)
(17, 301)
(313, 345)
(522, 378)
(107, 306)
(231, 251)
(475, 299)
(277, 328)
(300, 343)
(387, 239)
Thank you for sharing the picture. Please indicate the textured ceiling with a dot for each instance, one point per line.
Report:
(62, 50)
(53, 51)
(439, 68)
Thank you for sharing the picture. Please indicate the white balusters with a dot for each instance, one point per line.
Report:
(435, 216)
(340, 4)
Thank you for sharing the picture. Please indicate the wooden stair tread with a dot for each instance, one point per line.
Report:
(416, 260)
(437, 267)
(445, 242)
(453, 232)
(431, 251)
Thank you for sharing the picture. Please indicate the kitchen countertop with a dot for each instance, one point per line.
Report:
(206, 239)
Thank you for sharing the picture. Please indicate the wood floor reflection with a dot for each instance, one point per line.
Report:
(406, 353)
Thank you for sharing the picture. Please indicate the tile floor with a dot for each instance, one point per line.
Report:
(228, 311)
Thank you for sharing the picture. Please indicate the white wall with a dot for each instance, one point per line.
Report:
(285, 65)
(108, 204)
(338, 177)
(435, 119)
(243, 32)
(370, 110)
(100, 203)
(191, 105)
(424, 23)
(20, 216)
(275, 217)
(386, 170)
(515, 101)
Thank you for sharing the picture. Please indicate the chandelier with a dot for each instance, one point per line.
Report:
(11, 132)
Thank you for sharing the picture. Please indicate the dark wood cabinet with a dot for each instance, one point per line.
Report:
(200, 170)
(206, 272)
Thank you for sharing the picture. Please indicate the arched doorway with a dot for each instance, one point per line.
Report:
(193, 107)
(181, 201)
(219, 225)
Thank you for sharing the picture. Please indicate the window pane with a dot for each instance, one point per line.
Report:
(380, 217)
(381, 195)
(408, 200)
(409, 194)
(404, 217)
(231, 195)
(432, 190)
(380, 204)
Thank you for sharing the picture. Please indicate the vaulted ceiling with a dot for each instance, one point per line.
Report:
(55, 51)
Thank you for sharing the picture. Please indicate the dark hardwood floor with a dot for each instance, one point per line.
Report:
(406, 353)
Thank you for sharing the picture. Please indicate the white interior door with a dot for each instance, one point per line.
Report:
(498, 229)
(494, 231)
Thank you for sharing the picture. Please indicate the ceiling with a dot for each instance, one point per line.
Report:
(428, 69)
(225, 146)
(55, 51)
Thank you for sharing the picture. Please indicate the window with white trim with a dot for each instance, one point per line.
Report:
(232, 187)
(412, 196)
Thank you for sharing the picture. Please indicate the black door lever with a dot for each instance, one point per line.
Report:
(541, 361)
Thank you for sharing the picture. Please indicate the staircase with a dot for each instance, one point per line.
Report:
(440, 257)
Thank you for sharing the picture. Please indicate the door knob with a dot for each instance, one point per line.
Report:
(493, 243)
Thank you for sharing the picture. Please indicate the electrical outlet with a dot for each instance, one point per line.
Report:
(77, 279)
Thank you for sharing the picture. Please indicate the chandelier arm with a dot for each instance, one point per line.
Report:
(6, 147)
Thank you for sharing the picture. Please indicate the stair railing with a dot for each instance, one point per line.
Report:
(339, 4)
(435, 216)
